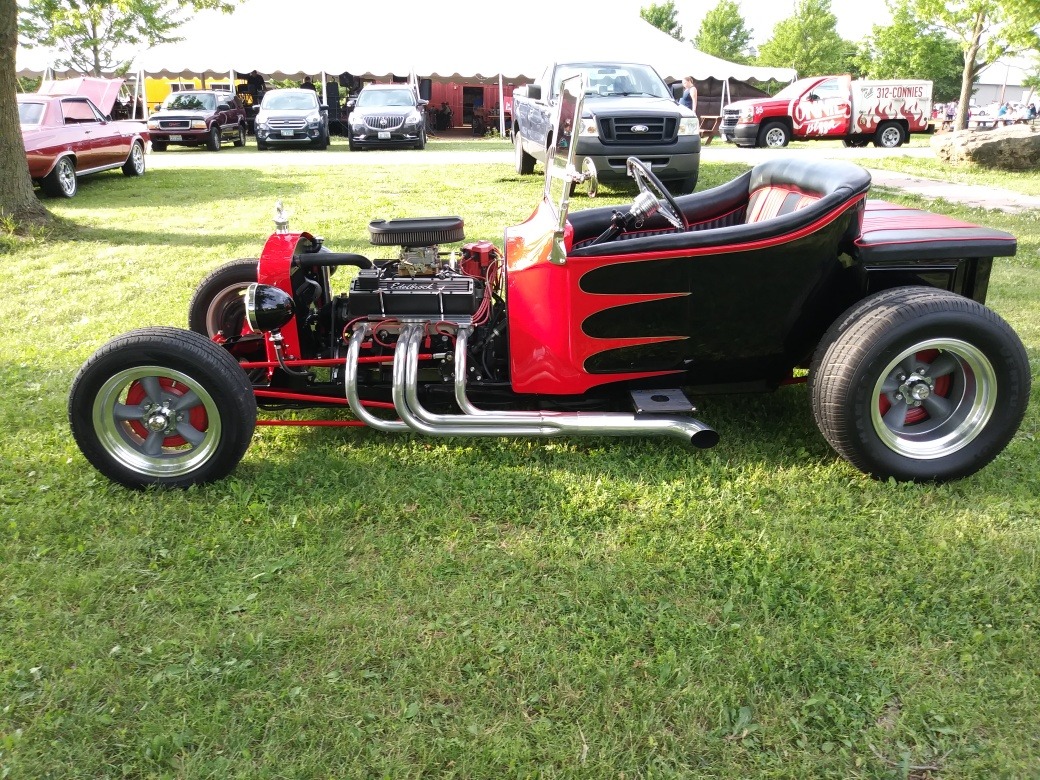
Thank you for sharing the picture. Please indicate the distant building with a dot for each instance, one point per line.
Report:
(1001, 82)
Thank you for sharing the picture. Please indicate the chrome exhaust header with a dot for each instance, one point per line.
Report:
(480, 422)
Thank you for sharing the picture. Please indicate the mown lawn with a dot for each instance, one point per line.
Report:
(359, 605)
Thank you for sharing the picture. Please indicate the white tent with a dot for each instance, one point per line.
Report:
(453, 41)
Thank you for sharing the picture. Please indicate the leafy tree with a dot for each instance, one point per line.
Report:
(724, 34)
(911, 48)
(90, 34)
(98, 27)
(662, 16)
(809, 42)
(985, 31)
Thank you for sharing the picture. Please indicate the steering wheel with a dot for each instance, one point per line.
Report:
(650, 185)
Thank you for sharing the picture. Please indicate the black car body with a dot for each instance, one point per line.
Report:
(292, 116)
(198, 118)
(387, 115)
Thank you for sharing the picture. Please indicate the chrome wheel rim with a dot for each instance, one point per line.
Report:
(775, 137)
(66, 177)
(156, 421)
(891, 136)
(933, 399)
(137, 156)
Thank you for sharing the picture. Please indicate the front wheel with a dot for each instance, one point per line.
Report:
(218, 306)
(523, 161)
(919, 384)
(162, 406)
(774, 135)
(61, 181)
(213, 141)
(240, 139)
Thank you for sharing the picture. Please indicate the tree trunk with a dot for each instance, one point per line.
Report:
(971, 54)
(17, 199)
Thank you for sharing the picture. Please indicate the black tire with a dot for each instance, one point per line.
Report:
(158, 146)
(134, 165)
(683, 186)
(323, 141)
(261, 146)
(217, 306)
(61, 182)
(213, 140)
(421, 143)
(774, 135)
(524, 162)
(889, 135)
(162, 406)
(856, 142)
(352, 146)
(919, 384)
(240, 140)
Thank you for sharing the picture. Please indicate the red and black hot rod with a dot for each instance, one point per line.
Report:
(603, 321)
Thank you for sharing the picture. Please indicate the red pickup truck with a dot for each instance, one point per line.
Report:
(835, 108)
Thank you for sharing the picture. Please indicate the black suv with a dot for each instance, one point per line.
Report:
(291, 116)
(196, 118)
(386, 115)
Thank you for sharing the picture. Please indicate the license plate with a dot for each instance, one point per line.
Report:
(175, 138)
(288, 133)
(383, 135)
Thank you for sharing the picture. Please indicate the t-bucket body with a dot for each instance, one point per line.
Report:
(602, 321)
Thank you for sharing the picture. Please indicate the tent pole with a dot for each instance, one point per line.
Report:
(501, 108)
(324, 90)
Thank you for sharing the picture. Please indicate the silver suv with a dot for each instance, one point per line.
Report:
(292, 116)
(386, 115)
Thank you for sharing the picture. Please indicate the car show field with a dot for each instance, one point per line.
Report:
(357, 603)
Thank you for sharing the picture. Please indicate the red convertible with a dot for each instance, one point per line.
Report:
(68, 136)
(593, 322)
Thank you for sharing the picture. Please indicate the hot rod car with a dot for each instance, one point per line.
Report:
(603, 321)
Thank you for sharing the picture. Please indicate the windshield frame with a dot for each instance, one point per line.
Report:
(607, 79)
(205, 98)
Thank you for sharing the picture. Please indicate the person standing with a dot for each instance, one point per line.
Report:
(308, 84)
(689, 95)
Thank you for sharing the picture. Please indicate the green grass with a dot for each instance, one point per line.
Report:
(354, 604)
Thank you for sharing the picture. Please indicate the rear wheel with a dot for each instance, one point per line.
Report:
(162, 406)
(774, 135)
(889, 135)
(919, 384)
(61, 181)
(213, 141)
(134, 165)
(524, 161)
(241, 139)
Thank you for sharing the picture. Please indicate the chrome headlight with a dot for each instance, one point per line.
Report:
(268, 307)
(313, 120)
(198, 124)
(413, 118)
(587, 127)
(689, 125)
(153, 124)
(747, 114)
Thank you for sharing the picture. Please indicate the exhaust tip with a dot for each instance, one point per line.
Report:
(705, 440)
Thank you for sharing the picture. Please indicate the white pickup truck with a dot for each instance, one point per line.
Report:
(628, 112)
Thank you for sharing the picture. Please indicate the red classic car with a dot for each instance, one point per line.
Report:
(67, 136)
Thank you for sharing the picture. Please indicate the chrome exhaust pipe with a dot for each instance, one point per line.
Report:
(479, 422)
(350, 380)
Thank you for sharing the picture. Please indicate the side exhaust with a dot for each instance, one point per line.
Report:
(479, 422)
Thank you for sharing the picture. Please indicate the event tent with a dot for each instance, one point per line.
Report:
(447, 42)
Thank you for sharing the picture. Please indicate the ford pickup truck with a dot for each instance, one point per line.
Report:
(833, 108)
(628, 112)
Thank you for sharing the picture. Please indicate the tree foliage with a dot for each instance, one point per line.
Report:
(985, 31)
(723, 33)
(910, 47)
(808, 41)
(102, 36)
(662, 16)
